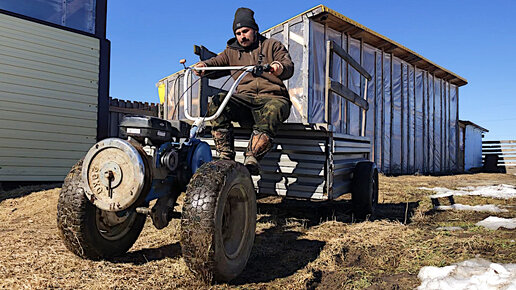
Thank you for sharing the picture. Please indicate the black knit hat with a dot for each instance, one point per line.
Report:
(244, 17)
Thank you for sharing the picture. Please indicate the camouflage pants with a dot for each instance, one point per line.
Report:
(262, 114)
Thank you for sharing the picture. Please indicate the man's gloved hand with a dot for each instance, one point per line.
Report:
(200, 72)
(277, 68)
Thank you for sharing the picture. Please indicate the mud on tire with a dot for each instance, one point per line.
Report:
(218, 221)
(83, 227)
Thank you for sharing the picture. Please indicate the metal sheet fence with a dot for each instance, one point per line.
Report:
(504, 151)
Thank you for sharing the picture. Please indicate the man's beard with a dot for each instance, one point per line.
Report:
(244, 40)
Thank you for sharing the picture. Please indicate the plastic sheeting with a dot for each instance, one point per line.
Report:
(437, 125)
(354, 84)
(295, 83)
(176, 97)
(404, 118)
(77, 14)
(444, 123)
(431, 128)
(419, 122)
(378, 148)
(316, 73)
(174, 107)
(386, 113)
(396, 117)
(453, 128)
(425, 122)
(336, 74)
(411, 120)
(344, 102)
(369, 65)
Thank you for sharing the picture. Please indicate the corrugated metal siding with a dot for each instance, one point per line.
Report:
(297, 165)
(48, 92)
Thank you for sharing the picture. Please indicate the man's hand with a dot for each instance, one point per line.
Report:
(199, 72)
(276, 68)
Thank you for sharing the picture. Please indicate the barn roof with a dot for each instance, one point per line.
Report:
(341, 23)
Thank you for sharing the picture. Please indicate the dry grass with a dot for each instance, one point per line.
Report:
(298, 244)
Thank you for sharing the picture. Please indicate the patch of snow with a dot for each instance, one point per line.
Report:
(449, 229)
(470, 274)
(484, 208)
(494, 223)
(502, 191)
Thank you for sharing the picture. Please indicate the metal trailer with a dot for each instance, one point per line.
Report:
(412, 120)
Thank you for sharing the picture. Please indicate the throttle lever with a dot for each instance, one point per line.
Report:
(259, 69)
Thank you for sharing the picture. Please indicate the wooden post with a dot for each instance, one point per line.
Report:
(362, 110)
(382, 115)
(402, 80)
(391, 68)
(362, 131)
(327, 100)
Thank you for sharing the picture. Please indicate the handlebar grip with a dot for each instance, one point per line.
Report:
(258, 70)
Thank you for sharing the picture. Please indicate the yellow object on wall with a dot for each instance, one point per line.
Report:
(161, 93)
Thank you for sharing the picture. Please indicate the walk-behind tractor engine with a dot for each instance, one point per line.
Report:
(106, 197)
(123, 175)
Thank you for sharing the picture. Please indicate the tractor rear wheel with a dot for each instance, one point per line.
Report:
(88, 231)
(218, 220)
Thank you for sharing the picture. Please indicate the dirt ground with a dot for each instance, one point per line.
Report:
(299, 244)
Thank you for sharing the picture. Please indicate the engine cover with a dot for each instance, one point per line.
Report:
(113, 173)
(141, 127)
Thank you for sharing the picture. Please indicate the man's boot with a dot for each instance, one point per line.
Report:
(224, 143)
(259, 145)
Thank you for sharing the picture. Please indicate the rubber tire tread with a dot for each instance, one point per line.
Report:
(198, 228)
(77, 226)
(364, 194)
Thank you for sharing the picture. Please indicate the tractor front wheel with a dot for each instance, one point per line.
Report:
(218, 220)
(88, 231)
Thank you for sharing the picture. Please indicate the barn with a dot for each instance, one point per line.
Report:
(413, 111)
(54, 67)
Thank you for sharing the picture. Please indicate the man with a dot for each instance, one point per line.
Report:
(261, 101)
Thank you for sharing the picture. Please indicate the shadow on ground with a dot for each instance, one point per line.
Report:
(313, 213)
(144, 256)
(278, 252)
(10, 190)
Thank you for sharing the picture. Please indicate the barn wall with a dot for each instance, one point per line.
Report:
(49, 95)
(412, 116)
(413, 113)
(473, 148)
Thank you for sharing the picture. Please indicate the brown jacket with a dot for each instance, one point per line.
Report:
(266, 85)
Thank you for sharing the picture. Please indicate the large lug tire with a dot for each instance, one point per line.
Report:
(218, 221)
(88, 231)
(364, 194)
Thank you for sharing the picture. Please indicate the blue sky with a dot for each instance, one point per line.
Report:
(474, 39)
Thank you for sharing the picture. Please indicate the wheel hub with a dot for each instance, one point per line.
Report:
(113, 173)
(234, 226)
